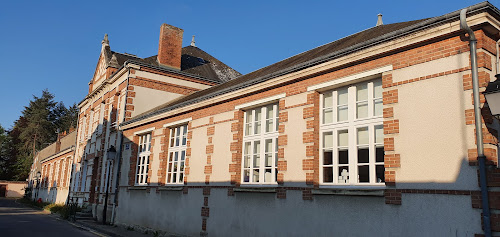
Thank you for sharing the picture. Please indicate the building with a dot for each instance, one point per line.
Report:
(372, 133)
(124, 86)
(51, 170)
(12, 189)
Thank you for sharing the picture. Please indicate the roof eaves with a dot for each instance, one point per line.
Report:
(166, 69)
(383, 38)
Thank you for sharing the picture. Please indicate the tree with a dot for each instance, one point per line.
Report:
(40, 130)
(36, 128)
(7, 161)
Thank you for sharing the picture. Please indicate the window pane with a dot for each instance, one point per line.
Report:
(379, 134)
(255, 175)
(364, 174)
(246, 161)
(246, 176)
(343, 157)
(328, 174)
(270, 112)
(257, 127)
(248, 129)
(379, 154)
(343, 174)
(342, 114)
(377, 108)
(269, 153)
(256, 154)
(247, 148)
(258, 114)
(269, 125)
(363, 155)
(248, 116)
(183, 155)
(327, 140)
(361, 110)
(361, 92)
(342, 96)
(377, 89)
(327, 100)
(327, 116)
(327, 157)
(362, 136)
(379, 170)
(343, 138)
(268, 176)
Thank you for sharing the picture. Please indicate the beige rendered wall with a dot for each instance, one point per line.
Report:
(433, 138)
(172, 80)
(295, 150)
(198, 158)
(146, 99)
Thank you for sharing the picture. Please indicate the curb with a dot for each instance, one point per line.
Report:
(89, 230)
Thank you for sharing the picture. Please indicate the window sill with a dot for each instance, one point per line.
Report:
(171, 188)
(137, 188)
(255, 189)
(375, 191)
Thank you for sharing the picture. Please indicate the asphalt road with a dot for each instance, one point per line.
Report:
(17, 220)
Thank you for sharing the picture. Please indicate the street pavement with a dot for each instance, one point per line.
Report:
(17, 220)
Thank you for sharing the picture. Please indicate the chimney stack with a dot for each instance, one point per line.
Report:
(170, 48)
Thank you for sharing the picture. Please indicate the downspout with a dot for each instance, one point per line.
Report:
(479, 129)
(119, 153)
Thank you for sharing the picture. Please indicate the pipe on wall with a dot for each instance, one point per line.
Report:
(477, 115)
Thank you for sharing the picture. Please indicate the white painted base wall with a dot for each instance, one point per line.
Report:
(52, 195)
(262, 214)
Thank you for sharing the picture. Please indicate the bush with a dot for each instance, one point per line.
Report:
(54, 208)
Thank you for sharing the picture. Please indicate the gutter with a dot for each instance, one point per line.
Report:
(334, 55)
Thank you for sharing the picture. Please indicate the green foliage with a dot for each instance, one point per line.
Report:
(6, 158)
(35, 129)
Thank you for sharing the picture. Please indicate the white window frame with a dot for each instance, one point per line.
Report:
(56, 174)
(69, 170)
(250, 138)
(101, 118)
(51, 172)
(352, 124)
(176, 150)
(143, 159)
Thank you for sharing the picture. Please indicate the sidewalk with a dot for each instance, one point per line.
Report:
(108, 230)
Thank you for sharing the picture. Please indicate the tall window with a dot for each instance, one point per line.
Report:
(177, 154)
(142, 168)
(352, 137)
(56, 175)
(260, 145)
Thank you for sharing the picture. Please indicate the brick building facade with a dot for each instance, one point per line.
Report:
(54, 163)
(372, 133)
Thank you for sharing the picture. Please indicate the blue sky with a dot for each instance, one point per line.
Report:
(55, 45)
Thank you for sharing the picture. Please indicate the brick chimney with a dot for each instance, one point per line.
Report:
(58, 142)
(169, 51)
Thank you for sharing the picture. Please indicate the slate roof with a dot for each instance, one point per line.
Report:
(193, 61)
(327, 52)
